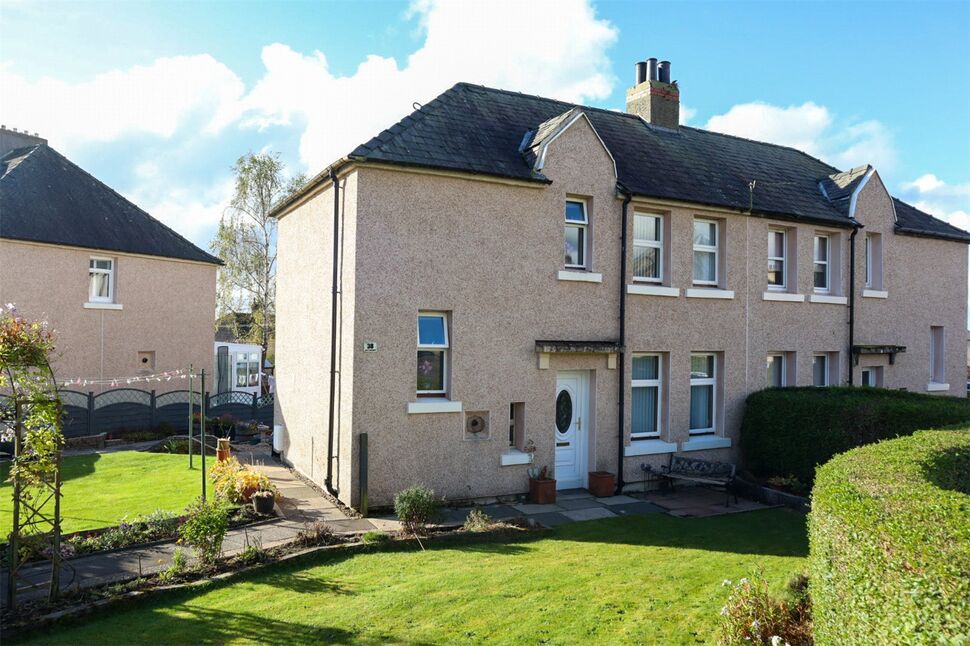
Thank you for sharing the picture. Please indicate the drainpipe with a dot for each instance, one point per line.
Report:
(852, 236)
(334, 292)
(620, 368)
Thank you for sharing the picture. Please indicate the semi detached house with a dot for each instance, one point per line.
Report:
(502, 280)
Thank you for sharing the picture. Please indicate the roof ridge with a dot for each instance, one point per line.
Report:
(138, 208)
(765, 143)
(22, 157)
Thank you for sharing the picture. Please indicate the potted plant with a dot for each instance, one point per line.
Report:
(602, 483)
(263, 502)
(222, 449)
(542, 488)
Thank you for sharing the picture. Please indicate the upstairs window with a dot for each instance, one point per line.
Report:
(777, 258)
(937, 354)
(821, 264)
(705, 252)
(645, 411)
(647, 247)
(703, 387)
(101, 277)
(874, 261)
(577, 223)
(432, 353)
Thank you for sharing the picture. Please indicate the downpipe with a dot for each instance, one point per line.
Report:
(334, 293)
(621, 366)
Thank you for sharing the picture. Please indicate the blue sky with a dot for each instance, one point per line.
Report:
(159, 98)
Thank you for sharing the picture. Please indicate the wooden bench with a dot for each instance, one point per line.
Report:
(705, 472)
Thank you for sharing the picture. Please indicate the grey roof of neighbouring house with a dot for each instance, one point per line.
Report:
(46, 198)
(470, 128)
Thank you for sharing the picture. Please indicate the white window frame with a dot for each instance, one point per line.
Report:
(648, 383)
(652, 244)
(708, 249)
(784, 368)
(584, 227)
(875, 371)
(937, 354)
(245, 359)
(110, 298)
(827, 263)
(434, 346)
(783, 258)
(706, 381)
(825, 373)
(868, 248)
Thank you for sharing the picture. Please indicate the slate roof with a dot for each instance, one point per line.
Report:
(474, 129)
(44, 197)
(910, 219)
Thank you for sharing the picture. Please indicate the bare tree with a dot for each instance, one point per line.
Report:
(246, 242)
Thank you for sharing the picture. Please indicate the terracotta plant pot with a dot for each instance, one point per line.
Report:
(263, 505)
(602, 484)
(542, 492)
(222, 451)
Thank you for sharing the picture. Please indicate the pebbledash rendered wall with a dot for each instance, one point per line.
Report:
(167, 306)
(489, 252)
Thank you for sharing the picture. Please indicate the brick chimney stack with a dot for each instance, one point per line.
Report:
(11, 139)
(654, 97)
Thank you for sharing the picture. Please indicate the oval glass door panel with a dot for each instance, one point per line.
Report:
(564, 411)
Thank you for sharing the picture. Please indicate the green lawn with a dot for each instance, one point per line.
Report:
(98, 490)
(649, 579)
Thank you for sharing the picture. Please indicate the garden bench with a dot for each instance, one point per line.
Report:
(705, 472)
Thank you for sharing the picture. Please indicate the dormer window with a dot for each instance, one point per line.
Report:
(101, 280)
(577, 222)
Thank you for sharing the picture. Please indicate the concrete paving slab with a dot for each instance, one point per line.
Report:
(617, 500)
(352, 525)
(579, 503)
(595, 513)
(550, 519)
(572, 494)
(636, 509)
(529, 509)
(501, 512)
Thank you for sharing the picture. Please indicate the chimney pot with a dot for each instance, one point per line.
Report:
(651, 69)
(664, 70)
(653, 97)
(641, 76)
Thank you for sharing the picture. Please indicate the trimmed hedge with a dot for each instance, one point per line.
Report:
(890, 543)
(789, 431)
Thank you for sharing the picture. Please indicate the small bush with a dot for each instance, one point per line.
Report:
(205, 528)
(789, 431)
(752, 616)
(477, 521)
(889, 551)
(374, 537)
(253, 551)
(236, 483)
(316, 533)
(416, 508)
(180, 563)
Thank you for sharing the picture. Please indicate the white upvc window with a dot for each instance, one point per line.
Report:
(872, 376)
(705, 252)
(703, 391)
(247, 369)
(937, 354)
(821, 264)
(777, 370)
(101, 278)
(777, 259)
(432, 376)
(820, 369)
(577, 238)
(874, 261)
(868, 261)
(648, 247)
(647, 396)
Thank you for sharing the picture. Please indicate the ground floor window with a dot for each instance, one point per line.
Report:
(433, 345)
(247, 369)
(777, 370)
(646, 404)
(872, 376)
(820, 370)
(703, 389)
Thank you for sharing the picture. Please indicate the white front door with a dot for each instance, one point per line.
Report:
(570, 427)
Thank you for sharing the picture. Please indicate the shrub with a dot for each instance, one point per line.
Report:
(752, 615)
(316, 533)
(477, 521)
(890, 556)
(416, 507)
(789, 431)
(180, 563)
(236, 483)
(205, 528)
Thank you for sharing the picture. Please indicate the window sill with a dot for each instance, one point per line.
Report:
(827, 298)
(874, 293)
(652, 290)
(434, 406)
(515, 457)
(786, 297)
(580, 276)
(937, 387)
(102, 306)
(649, 447)
(725, 294)
(703, 443)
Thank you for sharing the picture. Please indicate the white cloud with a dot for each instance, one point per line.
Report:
(192, 213)
(949, 202)
(155, 99)
(507, 44)
(811, 128)
(686, 114)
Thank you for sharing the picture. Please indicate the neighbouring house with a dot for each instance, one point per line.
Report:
(238, 367)
(128, 296)
(501, 280)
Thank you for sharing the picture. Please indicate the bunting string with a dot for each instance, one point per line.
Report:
(116, 382)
